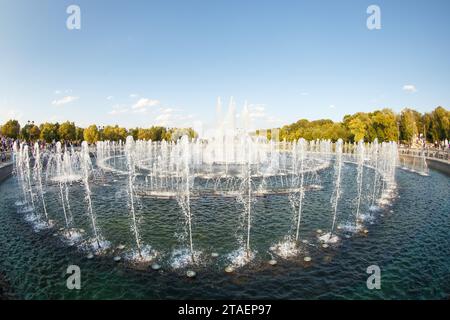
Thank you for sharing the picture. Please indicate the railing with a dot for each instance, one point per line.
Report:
(443, 155)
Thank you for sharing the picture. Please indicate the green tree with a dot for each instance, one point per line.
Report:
(121, 133)
(134, 133)
(114, 133)
(25, 131)
(109, 133)
(34, 133)
(11, 129)
(91, 134)
(357, 129)
(407, 126)
(385, 124)
(67, 131)
(79, 134)
(441, 123)
(49, 132)
(143, 134)
(157, 133)
(176, 133)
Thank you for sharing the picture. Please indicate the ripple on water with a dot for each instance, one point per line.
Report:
(411, 246)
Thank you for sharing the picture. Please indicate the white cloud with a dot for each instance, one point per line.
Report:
(141, 110)
(163, 118)
(257, 111)
(409, 88)
(166, 110)
(170, 117)
(332, 106)
(304, 93)
(140, 107)
(118, 109)
(134, 95)
(260, 118)
(109, 97)
(166, 117)
(64, 100)
(144, 103)
(66, 91)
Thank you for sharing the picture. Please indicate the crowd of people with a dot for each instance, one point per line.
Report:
(442, 145)
(5, 148)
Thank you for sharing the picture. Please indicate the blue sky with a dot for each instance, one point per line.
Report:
(139, 63)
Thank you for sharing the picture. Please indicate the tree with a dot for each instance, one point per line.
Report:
(25, 132)
(49, 132)
(114, 133)
(108, 133)
(79, 134)
(157, 133)
(175, 133)
(385, 124)
(143, 134)
(11, 129)
(67, 131)
(91, 134)
(407, 126)
(134, 133)
(121, 133)
(441, 123)
(34, 133)
(357, 129)
(436, 124)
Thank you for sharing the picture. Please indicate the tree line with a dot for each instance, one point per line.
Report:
(385, 125)
(68, 131)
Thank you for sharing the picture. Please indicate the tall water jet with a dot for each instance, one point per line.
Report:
(249, 190)
(375, 174)
(129, 152)
(38, 173)
(26, 160)
(301, 146)
(359, 180)
(423, 163)
(69, 177)
(185, 190)
(86, 165)
(61, 180)
(244, 196)
(19, 170)
(330, 237)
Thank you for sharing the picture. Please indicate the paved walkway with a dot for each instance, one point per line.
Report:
(5, 164)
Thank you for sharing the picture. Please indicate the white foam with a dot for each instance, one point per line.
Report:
(182, 258)
(241, 257)
(148, 254)
(328, 238)
(286, 249)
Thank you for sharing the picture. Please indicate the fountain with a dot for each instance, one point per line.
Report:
(184, 192)
(331, 237)
(233, 166)
(129, 151)
(86, 164)
(359, 181)
(38, 178)
(301, 192)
